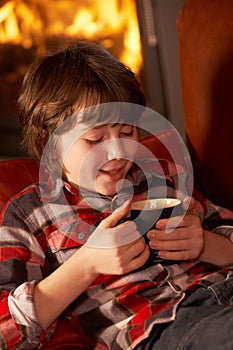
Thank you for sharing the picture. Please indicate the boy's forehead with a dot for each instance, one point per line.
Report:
(108, 113)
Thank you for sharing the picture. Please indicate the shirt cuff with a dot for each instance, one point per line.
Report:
(22, 309)
(224, 230)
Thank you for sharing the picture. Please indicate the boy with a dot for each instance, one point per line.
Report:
(50, 273)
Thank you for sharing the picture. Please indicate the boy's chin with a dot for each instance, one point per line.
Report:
(106, 190)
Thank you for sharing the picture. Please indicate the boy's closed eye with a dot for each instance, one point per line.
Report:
(126, 131)
(94, 141)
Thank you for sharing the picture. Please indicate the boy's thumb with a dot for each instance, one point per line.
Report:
(118, 214)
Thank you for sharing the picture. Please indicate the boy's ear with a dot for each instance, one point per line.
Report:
(43, 137)
(44, 133)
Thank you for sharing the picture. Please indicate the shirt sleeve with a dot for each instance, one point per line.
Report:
(214, 218)
(21, 266)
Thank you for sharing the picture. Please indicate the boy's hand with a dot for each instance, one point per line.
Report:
(117, 249)
(184, 242)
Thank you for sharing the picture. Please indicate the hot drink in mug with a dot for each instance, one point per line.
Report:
(146, 213)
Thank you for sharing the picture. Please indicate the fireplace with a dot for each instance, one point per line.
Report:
(29, 28)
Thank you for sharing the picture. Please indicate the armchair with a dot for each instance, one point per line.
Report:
(15, 175)
(205, 40)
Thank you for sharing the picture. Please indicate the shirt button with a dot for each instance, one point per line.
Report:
(81, 235)
(177, 288)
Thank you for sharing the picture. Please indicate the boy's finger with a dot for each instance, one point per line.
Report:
(189, 204)
(107, 237)
(118, 214)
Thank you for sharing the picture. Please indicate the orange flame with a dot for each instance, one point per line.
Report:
(29, 23)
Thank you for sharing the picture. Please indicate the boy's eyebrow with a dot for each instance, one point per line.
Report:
(112, 126)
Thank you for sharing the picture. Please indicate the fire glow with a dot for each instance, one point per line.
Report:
(112, 23)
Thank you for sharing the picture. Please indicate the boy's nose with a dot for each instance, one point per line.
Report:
(115, 149)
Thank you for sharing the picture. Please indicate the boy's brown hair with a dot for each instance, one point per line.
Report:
(59, 84)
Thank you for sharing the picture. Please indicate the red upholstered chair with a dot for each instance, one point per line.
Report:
(15, 175)
(205, 39)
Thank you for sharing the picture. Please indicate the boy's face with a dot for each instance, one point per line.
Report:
(101, 157)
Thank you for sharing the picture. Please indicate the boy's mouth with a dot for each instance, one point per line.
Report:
(113, 168)
(114, 172)
(111, 171)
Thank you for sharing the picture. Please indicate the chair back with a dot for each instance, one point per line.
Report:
(205, 41)
(15, 175)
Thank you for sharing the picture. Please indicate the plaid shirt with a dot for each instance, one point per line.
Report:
(115, 312)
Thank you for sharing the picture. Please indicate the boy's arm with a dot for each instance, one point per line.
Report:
(21, 267)
(28, 307)
(18, 321)
(217, 232)
(217, 249)
(79, 271)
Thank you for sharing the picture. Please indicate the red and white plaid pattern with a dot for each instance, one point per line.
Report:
(116, 312)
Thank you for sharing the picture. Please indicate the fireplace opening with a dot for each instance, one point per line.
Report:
(141, 33)
(28, 28)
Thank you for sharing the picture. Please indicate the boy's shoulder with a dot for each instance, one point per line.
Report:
(22, 202)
